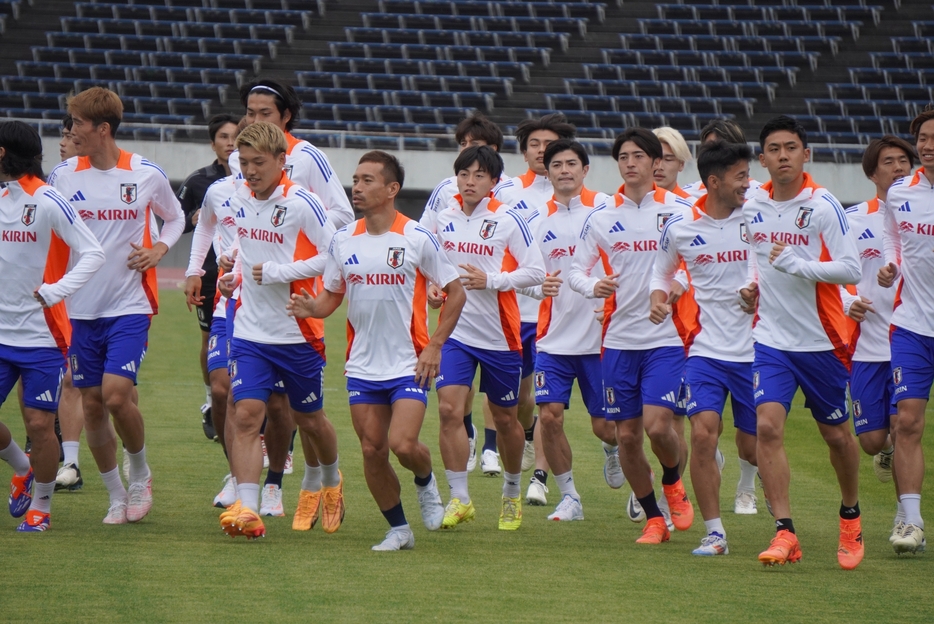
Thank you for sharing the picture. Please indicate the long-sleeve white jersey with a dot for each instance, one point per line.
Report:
(497, 241)
(117, 206)
(716, 256)
(281, 232)
(623, 235)
(310, 168)
(385, 278)
(800, 307)
(440, 199)
(38, 232)
(909, 240)
(566, 323)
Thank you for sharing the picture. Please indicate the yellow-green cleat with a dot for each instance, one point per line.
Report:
(457, 513)
(510, 518)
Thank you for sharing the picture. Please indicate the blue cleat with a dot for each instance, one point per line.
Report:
(35, 522)
(20, 494)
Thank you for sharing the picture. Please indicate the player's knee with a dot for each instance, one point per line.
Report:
(703, 438)
(837, 437)
(550, 419)
(450, 413)
(374, 453)
(628, 438)
(219, 389)
(38, 422)
(404, 449)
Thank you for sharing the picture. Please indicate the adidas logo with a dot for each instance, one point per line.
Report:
(617, 227)
(352, 260)
(550, 236)
(448, 228)
(311, 398)
(698, 241)
(757, 218)
(866, 235)
(241, 213)
(79, 196)
(46, 396)
(670, 397)
(130, 367)
(509, 397)
(904, 207)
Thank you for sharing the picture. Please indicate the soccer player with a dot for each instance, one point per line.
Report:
(282, 230)
(382, 264)
(568, 342)
(677, 154)
(115, 192)
(710, 241)
(222, 130)
(870, 306)
(802, 249)
(40, 231)
(909, 223)
(494, 248)
(639, 357)
(719, 130)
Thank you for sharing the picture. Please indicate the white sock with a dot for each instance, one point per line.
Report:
(42, 496)
(249, 495)
(312, 479)
(747, 477)
(511, 485)
(139, 470)
(17, 459)
(911, 503)
(330, 476)
(207, 394)
(114, 485)
(715, 526)
(609, 449)
(457, 481)
(70, 449)
(888, 451)
(899, 513)
(566, 485)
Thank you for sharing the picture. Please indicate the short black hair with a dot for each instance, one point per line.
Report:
(220, 120)
(716, 157)
(645, 139)
(479, 128)
(725, 129)
(67, 123)
(874, 150)
(555, 122)
(285, 97)
(22, 150)
(487, 157)
(393, 171)
(563, 145)
(923, 117)
(783, 122)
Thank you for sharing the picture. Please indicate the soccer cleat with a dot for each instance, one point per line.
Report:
(682, 511)
(249, 525)
(568, 509)
(116, 514)
(528, 456)
(207, 423)
(228, 495)
(429, 501)
(634, 510)
(68, 478)
(882, 465)
(472, 458)
(271, 501)
(333, 505)
(911, 540)
(850, 552)
(457, 513)
(139, 500)
(489, 463)
(783, 549)
(398, 538)
(35, 522)
(721, 460)
(510, 517)
(897, 531)
(654, 532)
(306, 513)
(612, 471)
(712, 545)
(745, 504)
(289, 467)
(262, 442)
(20, 493)
(228, 518)
(536, 493)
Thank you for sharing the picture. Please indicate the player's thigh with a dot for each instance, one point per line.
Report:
(371, 424)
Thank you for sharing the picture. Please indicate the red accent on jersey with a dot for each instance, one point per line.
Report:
(56, 317)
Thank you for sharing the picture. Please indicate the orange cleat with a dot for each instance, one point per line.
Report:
(783, 549)
(228, 519)
(851, 548)
(655, 531)
(306, 513)
(682, 511)
(333, 505)
(250, 524)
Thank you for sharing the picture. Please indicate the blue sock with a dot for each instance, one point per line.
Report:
(468, 424)
(420, 482)
(395, 516)
(489, 440)
(650, 506)
(670, 476)
(273, 478)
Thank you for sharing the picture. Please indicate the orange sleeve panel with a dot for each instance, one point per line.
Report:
(56, 317)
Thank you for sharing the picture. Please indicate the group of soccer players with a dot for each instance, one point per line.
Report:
(660, 300)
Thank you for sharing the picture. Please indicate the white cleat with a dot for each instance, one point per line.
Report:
(472, 458)
(116, 514)
(666, 512)
(612, 471)
(897, 531)
(398, 538)
(139, 500)
(536, 494)
(271, 504)
(288, 464)
(745, 504)
(911, 540)
(882, 465)
(429, 501)
(489, 463)
(634, 510)
(568, 509)
(712, 545)
(528, 456)
(720, 460)
(228, 495)
(68, 478)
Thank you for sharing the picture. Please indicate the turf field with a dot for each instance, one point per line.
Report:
(178, 566)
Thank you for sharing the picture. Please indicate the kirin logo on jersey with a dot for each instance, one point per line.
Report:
(904, 226)
(288, 171)
(703, 259)
(610, 396)
(487, 228)
(760, 237)
(29, 214)
(449, 246)
(395, 257)
(128, 193)
(559, 252)
(663, 219)
(804, 217)
(620, 247)
(354, 278)
(229, 221)
(86, 215)
(278, 216)
(243, 232)
(743, 235)
(870, 253)
(540, 379)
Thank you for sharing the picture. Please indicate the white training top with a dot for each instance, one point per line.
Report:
(440, 199)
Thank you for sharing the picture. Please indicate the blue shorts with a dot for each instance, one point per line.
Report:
(912, 364)
(776, 376)
(528, 333)
(555, 374)
(500, 371)
(632, 379)
(218, 345)
(42, 370)
(386, 392)
(256, 368)
(114, 345)
(871, 390)
(707, 383)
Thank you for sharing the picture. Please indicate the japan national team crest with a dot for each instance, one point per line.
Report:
(540, 379)
(857, 409)
(278, 216)
(74, 363)
(804, 217)
(233, 368)
(663, 219)
(395, 257)
(487, 229)
(743, 236)
(128, 193)
(29, 214)
(288, 171)
(212, 343)
(897, 375)
(610, 396)
(755, 380)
